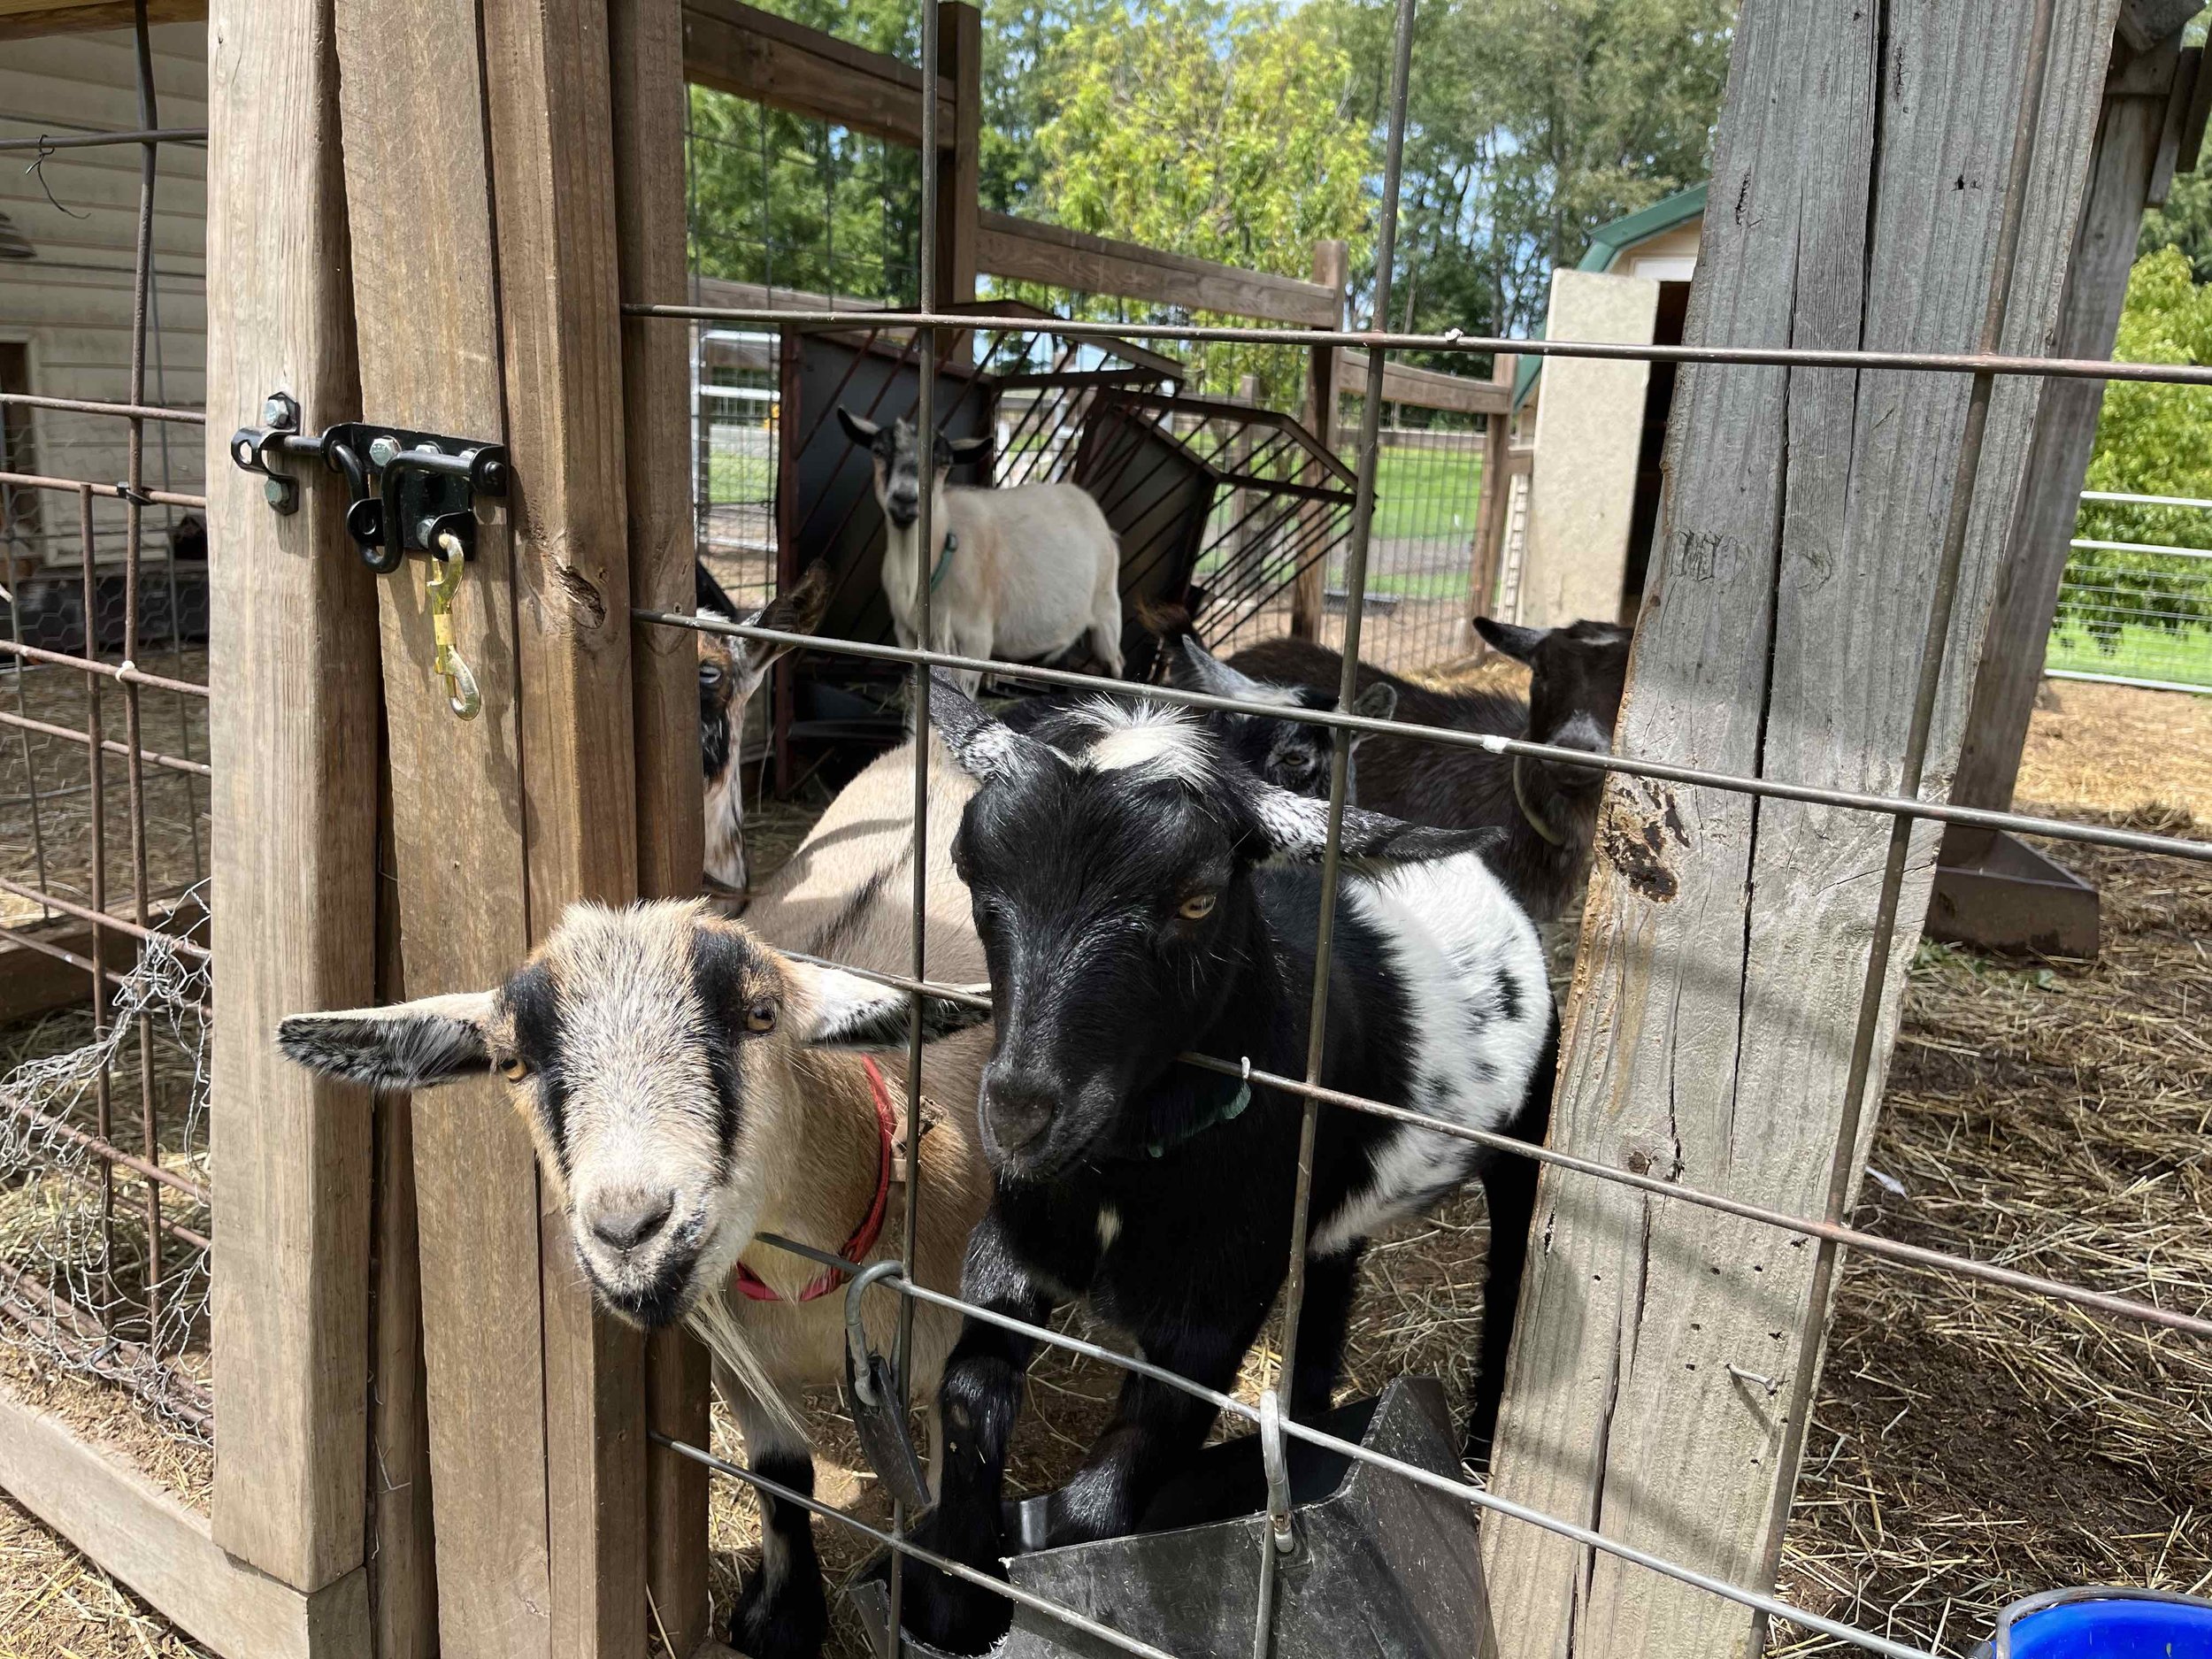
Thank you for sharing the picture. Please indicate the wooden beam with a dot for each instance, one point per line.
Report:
(293, 740)
(2011, 664)
(738, 48)
(425, 281)
(1023, 251)
(1723, 947)
(1425, 389)
(649, 155)
(1331, 274)
(960, 181)
(25, 19)
(547, 84)
(1482, 576)
(139, 1533)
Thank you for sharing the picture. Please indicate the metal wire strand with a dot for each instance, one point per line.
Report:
(1817, 794)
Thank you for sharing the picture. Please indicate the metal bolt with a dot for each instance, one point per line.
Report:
(423, 527)
(279, 410)
(280, 492)
(383, 451)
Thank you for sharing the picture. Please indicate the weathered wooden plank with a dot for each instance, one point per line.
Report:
(140, 1533)
(1425, 388)
(292, 734)
(960, 183)
(648, 152)
(2011, 666)
(547, 74)
(738, 48)
(1709, 1030)
(1024, 252)
(425, 286)
(1331, 271)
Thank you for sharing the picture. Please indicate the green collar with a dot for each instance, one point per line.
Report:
(944, 560)
(1231, 1108)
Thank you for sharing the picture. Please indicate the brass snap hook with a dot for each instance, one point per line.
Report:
(441, 582)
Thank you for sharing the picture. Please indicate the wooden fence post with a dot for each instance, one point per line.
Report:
(649, 151)
(2135, 121)
(293, 738)
(1331, 269)
(1482, 574)
(960, 176)
(1725, 944)
(536, 1403)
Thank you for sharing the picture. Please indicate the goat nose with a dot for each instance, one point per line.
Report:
(1018, 1109)
(625, 1223)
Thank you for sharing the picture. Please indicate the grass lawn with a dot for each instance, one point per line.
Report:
(735, 478)
(1418, 492)
(2183, 658)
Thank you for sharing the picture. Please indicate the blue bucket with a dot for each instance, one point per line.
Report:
(2104, 1624)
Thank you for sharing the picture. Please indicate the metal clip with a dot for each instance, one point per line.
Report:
(879, 1414)
(441, 582)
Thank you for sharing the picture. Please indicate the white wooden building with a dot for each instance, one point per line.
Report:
(66, 250)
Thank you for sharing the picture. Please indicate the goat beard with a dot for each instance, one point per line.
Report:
(712, 1322)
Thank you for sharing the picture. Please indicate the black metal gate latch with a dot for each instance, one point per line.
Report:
(407, 492)
(406, 489)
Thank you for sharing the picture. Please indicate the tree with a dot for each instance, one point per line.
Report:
(2184, 222)
(2151, 441)
(1529, 123)
(1219, 132)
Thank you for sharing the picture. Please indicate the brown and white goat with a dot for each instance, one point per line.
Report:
(1024, 574)
(730, 670)
(689, 1087)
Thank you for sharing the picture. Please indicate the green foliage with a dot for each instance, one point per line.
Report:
(781, 200)
(2184, 222)
(1218, 133)
(2151, 441)
(1022, 41)
(1530, 124)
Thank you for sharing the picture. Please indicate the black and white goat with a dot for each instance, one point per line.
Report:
(730, 670)
(1547, 809)
(687, 1089)
(1138, 893)
(1025, 575)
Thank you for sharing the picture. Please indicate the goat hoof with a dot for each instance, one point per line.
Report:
(788, 1623)
(950, 1614)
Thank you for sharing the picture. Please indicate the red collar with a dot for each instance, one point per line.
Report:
(870, 1227)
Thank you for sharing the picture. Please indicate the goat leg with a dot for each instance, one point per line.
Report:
(979, 1398)
(1156, 1431)
(782, 1613)
(1323, 1320)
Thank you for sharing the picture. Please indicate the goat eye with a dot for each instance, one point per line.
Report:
(760, 1016)
(1197, 907)
(514, 1068)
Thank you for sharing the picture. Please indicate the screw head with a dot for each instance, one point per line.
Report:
(279, 410)
(383, 451)
(279, 493)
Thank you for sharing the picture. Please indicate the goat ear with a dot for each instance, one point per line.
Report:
(844, 1010)
(861, 430)
(967, 448)
(797, 611)
(1194, 668)
(1296, 828)
(409, 1045)
(983, 747)
(1378, 701)
(1517, 643)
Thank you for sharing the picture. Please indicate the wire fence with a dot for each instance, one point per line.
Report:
(2135, 613)
(1361, 568)
(1428, 499)
(104, 1022)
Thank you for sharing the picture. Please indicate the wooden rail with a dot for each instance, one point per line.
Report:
(1023, 251)
(756, 55)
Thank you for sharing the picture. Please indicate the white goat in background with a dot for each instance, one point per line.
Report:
(1022, 574)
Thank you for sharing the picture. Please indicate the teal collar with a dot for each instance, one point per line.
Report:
(1228, 1110)
(944, 560)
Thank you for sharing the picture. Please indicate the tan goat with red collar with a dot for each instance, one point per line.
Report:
(689, 1088)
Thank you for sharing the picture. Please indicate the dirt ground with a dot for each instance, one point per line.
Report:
(1968, 1446)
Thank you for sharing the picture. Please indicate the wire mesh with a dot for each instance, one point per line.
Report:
(104, 619)
(2137, 613)
(1401, 577)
